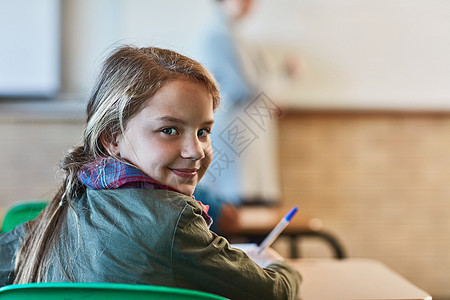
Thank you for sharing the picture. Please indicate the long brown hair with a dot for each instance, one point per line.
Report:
(129, 77)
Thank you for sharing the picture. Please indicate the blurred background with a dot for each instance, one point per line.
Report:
(363, 140)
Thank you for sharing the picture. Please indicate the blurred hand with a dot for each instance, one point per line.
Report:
(293, 66)
(228, 221)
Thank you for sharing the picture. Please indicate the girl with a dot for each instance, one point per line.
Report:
(125, 211)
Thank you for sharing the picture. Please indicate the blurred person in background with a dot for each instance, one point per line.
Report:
(246, 175)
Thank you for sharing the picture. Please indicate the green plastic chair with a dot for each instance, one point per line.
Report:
(21, 212)
(110, 291)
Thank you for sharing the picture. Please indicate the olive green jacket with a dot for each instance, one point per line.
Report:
(159, 237)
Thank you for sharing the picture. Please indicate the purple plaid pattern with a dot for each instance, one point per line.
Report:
(109, 173)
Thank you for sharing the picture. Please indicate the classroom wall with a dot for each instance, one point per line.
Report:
(351, 54)
(379, 181)
(29, 157)
(360, 54)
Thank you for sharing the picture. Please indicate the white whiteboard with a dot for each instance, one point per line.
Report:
(30, 48)
(360, 54)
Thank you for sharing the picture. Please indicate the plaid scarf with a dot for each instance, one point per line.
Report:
(106, 173)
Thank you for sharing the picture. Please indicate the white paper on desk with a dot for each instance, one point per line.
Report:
(264, 259)
(246, 247)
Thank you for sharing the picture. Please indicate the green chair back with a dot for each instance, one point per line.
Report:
(110, 291)
(21, 212)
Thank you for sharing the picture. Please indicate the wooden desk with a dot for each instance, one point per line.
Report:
(255, 222)
(362, 279)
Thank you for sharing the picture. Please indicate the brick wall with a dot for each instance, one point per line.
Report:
(380, 181)
(29, 157)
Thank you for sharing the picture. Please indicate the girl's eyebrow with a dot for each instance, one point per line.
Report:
(171, 119)
(180, 121)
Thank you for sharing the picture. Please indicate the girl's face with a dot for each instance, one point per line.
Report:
(169, 139)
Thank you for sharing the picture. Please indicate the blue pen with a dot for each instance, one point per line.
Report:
(277, 230)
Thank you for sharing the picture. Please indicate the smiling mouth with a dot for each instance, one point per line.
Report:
(185, 173)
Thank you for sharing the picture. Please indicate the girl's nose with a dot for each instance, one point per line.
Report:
(193, 149)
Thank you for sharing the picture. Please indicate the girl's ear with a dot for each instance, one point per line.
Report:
(109, 142)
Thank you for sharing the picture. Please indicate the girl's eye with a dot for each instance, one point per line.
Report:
(204, 132)
(169, 131)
